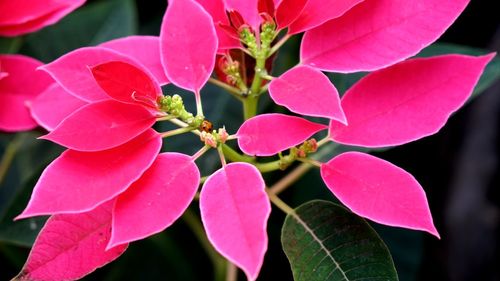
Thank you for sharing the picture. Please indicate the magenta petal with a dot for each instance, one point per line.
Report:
(317, 12)
(188, 44)
(248, 9)
(217, 9)
(307, 91)
(127, 83)
(376, 34)
(268, 134)
(26, 16)
(20, 84)
(156, 200)
(71, 246)
(234, 213)
(79, 181)
(102, 125)
(52, 106)
(288, 11)
(378, 190)
(72, 71)
(143, 49)
(407, 101)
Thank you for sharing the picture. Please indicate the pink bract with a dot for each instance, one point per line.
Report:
(407, 101)
(317, 12)
(188, 44)
(307, 91)
(127, 83)
(20, 84)
(376, 34)
(52, 106)
(72, 71)
(248, 10)
(288, 11)
(76, 236)
(25, 16)
(102, 125)
(79, 181)
(268, 134)
(156, 200)
(234, 213)
(378, 190)
(143, 49)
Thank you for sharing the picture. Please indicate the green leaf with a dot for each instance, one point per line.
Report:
(325, 242)
(91, 25)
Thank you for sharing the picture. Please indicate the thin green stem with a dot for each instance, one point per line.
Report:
(218, 262)
(177, 132)
(183, 124)
(234, 156)
(165, 118)
(9, 154)
(278, 45)
(199, 106)
(268, 166)
(200, 152)
(280, 203)
(290, 178)
(324, 141)
(235, 92)
(231, 272)
(310, 161)
(221, 155)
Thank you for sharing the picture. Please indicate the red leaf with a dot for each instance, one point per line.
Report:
(127, 83)
(378, 190)
(71, 246)
(234, 213)
(102, 125)
(407, 101)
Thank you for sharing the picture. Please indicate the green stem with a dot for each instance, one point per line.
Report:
(177, 132)
(280, 203)
(235, 92)
(9, 153)
(278, 45)
(234, 156)
(290, 178)
(218, 262)
(231, 272)
(250, 106)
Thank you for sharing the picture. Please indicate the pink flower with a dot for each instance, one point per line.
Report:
(20, 83)
(24, 16)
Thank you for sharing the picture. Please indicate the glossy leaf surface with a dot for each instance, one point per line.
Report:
(324, 241)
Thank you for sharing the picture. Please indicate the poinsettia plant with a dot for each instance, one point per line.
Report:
(117, 181)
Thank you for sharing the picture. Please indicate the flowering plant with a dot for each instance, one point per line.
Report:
(114, 183)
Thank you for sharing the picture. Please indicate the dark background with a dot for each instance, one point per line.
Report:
(458, 168)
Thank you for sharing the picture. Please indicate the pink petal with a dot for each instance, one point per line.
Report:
(72, 71)
(71, 246)
(52, 106)
(188, 44)
(378, 190)
(127, 83)
(217, 10)
(248, 10)
(307, 91)
(317, 12)
(268, 134)
(156, 200)
(102, 125)
(234, 213)
(143, 49)
(407, 101)
(79, 181)
(376, 34)
(21, 83)
(288, 11)
(26, 16)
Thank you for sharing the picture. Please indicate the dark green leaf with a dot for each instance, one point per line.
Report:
(88, 26)
(10, 45)
(323, 241)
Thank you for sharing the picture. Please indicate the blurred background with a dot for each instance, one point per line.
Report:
(459, 167)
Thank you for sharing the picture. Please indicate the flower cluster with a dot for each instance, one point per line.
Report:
(114, 182)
